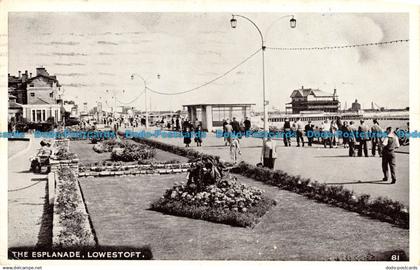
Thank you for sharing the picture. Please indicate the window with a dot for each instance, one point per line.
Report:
(32, 94)
(38, 116)
(51, 94)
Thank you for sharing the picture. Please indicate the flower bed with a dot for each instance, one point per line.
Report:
(133, 152)
(380, 208)
(107, 146)
(227, 201)
(71, 222)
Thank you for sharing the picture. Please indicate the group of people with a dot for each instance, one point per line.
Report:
(189, 129)
(350, 135)
(233, 131)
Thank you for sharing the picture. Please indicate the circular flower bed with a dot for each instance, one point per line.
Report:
(227, 201)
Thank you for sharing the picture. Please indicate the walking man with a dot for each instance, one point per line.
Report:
(286, 132)
(247, 124)
(376, 138)
(390, 143)
(299, 133)
(309, 132)
(235, 149)
(351, 138)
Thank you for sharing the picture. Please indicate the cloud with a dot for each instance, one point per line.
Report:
(107, 84)
(69, 64)
(106, 53)
(71, 74)
(106, 42)
(75, 84)
(106, 74)
(69, 54)
(69, 43)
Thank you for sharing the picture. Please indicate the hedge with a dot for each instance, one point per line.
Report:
(72, 221)
(381, 208)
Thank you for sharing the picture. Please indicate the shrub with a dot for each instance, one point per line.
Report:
(133, 152)
(384, 209)
(226, 201)
(68, 207)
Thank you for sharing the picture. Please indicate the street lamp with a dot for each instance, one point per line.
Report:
(145, 96)
(233, 24)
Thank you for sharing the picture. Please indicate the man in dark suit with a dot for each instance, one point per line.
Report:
(352, 140)
(247, 124)
(236, 127)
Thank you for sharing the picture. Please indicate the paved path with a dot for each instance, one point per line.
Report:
(333, 166)
(26, 198)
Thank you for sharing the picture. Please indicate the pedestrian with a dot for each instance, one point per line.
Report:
(235, 149)
(177, 124)
(247, 125)
(363, 136)
(228, 134)
(352, 130)
(286, 132)
(326, 133)
(345, 134)
(186, 132)
(299, 133)
(376, 138)
(236, 127)
(334, 135)
(269, 154)
(224, 123)
(198, 135)
(389, 144)
(309, 132)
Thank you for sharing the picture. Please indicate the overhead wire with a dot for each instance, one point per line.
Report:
(206, 83)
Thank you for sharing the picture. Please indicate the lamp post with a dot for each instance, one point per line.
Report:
(233, 23)
(145, 97)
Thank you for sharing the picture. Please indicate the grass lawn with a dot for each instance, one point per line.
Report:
(15, 147)
(84, 149)
(295, 229)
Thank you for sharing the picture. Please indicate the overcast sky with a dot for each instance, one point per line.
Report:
(94, 52)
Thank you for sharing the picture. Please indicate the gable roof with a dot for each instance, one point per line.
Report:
(50, 78)
(308, 91)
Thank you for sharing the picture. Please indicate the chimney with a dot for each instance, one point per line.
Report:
(302, 87)
(19, 74)
(335, 92)
(30, 75)
(24, 77)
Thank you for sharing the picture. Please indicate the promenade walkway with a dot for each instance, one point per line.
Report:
(332, 166)
(27, 217)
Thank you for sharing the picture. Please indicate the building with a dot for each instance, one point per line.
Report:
(212, 115)
(312, 100)
(39, 95)
(355, 106)
(15, 110)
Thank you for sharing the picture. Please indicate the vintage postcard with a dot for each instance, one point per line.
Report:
(225, 132)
